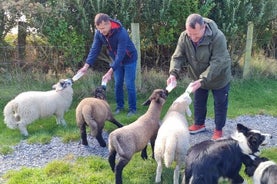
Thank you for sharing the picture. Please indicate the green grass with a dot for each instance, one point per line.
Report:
(95, 170)
(247, 97)
(253, 96)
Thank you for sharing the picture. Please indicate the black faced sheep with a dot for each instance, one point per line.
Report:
(126, 141)
(93, 112)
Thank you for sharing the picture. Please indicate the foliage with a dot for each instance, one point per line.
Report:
(160, 32)
(5, 150)
(6, 51)
(53, 25)
(68, 25)
(8, 16)
(232, 18)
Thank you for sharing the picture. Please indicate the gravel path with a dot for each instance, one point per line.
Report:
(38, 155)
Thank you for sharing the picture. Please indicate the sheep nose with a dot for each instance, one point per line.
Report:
(166, 92)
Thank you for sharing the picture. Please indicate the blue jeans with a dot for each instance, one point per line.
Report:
(220, 106)
(127, 73)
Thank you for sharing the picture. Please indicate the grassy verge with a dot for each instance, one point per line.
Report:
(95, 170)
(247, 97)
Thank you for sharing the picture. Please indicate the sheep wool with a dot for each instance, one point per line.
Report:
(172, 141)
(132, 138)
(93, 112)
(32, 105)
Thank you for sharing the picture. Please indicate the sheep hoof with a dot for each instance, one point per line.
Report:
(24, 137)
(100, 140)
(144, 156)
(85, 143)
(103, 144)
(144, 153)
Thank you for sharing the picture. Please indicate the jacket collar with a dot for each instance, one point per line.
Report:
(114, 26)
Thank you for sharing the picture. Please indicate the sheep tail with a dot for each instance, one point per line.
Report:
(114, 121)
(169, 154)
(117, 145)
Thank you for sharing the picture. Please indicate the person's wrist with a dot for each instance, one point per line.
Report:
(172, 77)
(86, 66)
(110, 71)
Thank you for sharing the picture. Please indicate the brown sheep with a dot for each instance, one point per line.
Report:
(93, 112)
(132, 138)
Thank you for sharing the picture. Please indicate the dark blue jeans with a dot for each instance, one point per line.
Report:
(127, 73)
(220, 106)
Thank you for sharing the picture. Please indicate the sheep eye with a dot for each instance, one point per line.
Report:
(63, 84)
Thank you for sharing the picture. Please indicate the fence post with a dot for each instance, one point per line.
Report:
(248, 49)
(21, 39)
(136, 40)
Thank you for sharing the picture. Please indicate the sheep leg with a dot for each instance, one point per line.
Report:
(114, 121)
(112, 156)
(83, 134)
(158, 171)
(176, 174)
(100, 139)
(118, 170)
(60, 120)
(144, 153)
(184, 179)
(23, 129)
(96, 131)
(152, 142)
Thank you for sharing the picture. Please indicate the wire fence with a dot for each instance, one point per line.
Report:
(45, 58)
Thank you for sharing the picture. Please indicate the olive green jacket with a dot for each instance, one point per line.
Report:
(209, 61)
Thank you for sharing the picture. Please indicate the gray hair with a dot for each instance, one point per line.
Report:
(101, 17)
(193, 19)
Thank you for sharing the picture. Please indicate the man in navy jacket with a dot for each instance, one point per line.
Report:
(111, 34)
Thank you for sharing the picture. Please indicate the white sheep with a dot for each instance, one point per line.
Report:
(172, 141)
(32, 105)
(93, 112)
(132, 138)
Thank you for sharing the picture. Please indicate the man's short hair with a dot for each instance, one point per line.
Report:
(193, 19)
(100, 17)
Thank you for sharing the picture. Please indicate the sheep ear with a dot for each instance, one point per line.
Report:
(147, 102)
(54, 86)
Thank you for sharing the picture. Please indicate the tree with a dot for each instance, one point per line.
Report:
(232, 17)
(9, 15)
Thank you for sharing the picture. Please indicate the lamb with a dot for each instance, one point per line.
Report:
(132, 138)
(32, 105)
(172, 141)
(93, 112)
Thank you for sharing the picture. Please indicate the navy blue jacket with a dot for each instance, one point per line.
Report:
(121, 49)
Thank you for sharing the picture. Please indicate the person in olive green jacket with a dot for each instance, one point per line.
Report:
(202, 47)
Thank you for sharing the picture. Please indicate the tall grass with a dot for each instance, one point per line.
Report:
(263, 67)
(256, 95)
